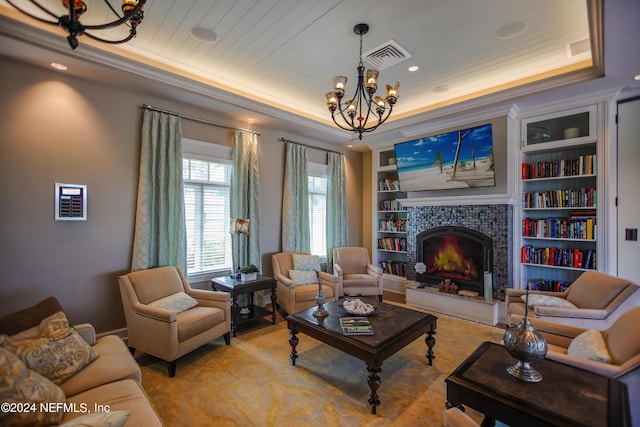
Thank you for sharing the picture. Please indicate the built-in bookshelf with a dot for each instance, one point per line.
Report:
(559, 210)
(390, 251)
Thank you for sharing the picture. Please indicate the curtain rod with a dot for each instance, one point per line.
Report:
(196, 119)
(310, 146)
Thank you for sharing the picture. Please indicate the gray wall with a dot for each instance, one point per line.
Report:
(57, 129)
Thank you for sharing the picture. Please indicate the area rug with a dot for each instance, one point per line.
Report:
(252, 383)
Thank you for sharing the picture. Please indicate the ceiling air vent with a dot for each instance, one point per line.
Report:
(578, 47)
(386, 55)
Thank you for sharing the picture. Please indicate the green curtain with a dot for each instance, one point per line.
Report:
(296, 235)
(160, 237)
(245, 197)
(336, 206)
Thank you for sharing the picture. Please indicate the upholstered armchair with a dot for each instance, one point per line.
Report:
(590, 348)
(356, 275)
(297, 288)
(594, 300)
(167, 318)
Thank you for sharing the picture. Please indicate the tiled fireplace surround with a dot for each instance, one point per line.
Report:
(495, 220)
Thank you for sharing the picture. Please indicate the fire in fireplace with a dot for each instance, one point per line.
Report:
(457, 253)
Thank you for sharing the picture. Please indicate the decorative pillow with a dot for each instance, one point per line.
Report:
(58, 352)
(590, 345)
(30, 317)
(306, 262)
(547, 300)
(177, 302)
(303, 277)
(99, 419)
(20, 385)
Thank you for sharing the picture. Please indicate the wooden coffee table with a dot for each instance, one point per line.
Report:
(394, 328)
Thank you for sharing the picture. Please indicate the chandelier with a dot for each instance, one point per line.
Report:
(355, 112)
(132, 12)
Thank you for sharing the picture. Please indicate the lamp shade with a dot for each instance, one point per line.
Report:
(239, 226)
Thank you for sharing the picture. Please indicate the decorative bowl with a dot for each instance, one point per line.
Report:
(357, 307)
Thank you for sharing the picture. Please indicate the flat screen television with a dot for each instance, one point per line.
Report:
(459, 159)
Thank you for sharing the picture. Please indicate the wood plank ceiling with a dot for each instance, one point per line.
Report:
(285, 52)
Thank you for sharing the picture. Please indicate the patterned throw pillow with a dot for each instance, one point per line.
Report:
(177, 302)
(306, 262)
(20, 385)
(590, 345)
(547, 300)
(58, 352)
(303, 277)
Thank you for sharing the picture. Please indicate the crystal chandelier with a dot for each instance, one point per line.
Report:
(132, 12)
(355, 112)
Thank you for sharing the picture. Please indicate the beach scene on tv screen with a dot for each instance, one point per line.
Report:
(458, 159)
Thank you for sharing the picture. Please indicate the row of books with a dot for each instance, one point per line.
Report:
(560, 257)
(394, 267)
(567, 198)
(392, 225)
(583, 165)
(391, 205)
(388, 184)
(560, 228)
(393, 244)
(547, 285)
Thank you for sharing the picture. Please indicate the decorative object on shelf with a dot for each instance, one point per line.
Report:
(362, 106)
(132, 12)
(527, 345)
(248, 272)
(420, 268)
(537, 134)
(320, 312)
(238, 226)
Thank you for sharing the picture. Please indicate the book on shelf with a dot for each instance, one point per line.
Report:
(356, 326)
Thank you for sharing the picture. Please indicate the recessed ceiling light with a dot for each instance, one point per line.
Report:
(511, 30)
(350, 146)
(414, 68)
(636, 77)
(59, 66)
(203, 34)
(441, 88)
(251, 120)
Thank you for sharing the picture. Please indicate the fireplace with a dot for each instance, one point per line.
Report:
(457, 253)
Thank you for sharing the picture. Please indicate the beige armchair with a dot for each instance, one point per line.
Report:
(599, 300)
(356, 274)
(622, 340)
(169, 333)
(294, 297)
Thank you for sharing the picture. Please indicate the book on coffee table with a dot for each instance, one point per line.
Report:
(356, 326)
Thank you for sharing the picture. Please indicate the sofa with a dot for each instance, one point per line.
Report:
(93, 378)
(609, 352)
(594, 300)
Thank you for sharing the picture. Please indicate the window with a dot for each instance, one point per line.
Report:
(207, 213)
(318, 208)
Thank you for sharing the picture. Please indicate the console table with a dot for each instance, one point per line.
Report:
(237, 287)
(566, 396)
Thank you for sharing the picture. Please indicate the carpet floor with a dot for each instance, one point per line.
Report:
(252, 383)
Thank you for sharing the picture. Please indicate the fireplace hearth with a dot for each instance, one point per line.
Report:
(457, 254)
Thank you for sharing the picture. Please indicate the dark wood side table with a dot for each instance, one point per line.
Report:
(566, 396)
(237, 287)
